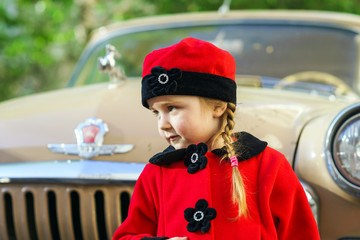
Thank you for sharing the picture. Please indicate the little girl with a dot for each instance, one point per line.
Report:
(209, 183)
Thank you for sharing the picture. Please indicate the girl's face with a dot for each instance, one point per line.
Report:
(185, 120)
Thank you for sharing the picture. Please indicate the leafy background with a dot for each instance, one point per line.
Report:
(41, 40)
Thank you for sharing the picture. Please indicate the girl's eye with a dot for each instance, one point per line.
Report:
(156, 113)
(171, 108)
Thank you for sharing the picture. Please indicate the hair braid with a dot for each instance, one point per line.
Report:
(227, 126)
(239, 195)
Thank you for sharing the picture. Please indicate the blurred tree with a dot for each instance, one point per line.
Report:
(36, 37)
(41, 40)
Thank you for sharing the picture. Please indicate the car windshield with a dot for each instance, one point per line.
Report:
(272, 50)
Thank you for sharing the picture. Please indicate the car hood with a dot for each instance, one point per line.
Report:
(278, 116)
(30, 123)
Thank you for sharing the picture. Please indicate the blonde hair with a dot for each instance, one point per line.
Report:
(227, 126)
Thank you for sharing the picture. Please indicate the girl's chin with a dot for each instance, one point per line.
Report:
(178, 145)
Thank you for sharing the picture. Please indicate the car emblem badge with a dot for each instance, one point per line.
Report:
(90, 136)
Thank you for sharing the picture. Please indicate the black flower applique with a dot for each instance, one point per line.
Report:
(199, 217)
(163, 82)
(195, 157)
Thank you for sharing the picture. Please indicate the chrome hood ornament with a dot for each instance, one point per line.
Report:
(90, 137)
(107, 64)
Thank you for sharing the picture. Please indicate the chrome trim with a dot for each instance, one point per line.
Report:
(90, 150)
(89, 137)
(313, 200)
(73, 171)
(335, 125)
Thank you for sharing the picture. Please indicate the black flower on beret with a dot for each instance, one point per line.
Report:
(199, 217)
(195, 157)
(162, 82)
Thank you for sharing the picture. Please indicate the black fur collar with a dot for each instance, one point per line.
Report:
(246, 147)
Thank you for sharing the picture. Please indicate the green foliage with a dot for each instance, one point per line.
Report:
(41, 40)
(36, 37)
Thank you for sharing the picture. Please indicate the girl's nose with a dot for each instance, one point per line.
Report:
(163, 123)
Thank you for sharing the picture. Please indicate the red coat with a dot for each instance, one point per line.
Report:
(277, 205)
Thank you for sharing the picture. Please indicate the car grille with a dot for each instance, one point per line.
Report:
(62, 211)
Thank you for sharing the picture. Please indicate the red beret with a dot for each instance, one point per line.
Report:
(192, 55)
(190, 67)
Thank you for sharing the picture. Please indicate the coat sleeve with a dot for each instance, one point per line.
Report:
(143, 213)
(289, 206)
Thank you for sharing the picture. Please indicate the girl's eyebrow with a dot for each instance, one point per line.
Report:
(166, 103)
(170, 102)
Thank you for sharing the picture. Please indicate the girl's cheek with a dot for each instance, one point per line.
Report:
(161, 132)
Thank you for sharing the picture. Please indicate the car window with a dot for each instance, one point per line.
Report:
(273, 50)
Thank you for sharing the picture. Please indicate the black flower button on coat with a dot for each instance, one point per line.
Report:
(195, 157)
(199, 217)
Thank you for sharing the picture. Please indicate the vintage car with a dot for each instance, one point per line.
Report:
(298, 89)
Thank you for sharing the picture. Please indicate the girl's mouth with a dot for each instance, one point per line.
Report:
(173, 138)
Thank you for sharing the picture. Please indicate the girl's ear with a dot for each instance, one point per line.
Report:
(219, 109)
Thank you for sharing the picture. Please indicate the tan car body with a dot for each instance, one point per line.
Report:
(296, 124)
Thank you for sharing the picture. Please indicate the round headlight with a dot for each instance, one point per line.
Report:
(343, 149)
(346, 150)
